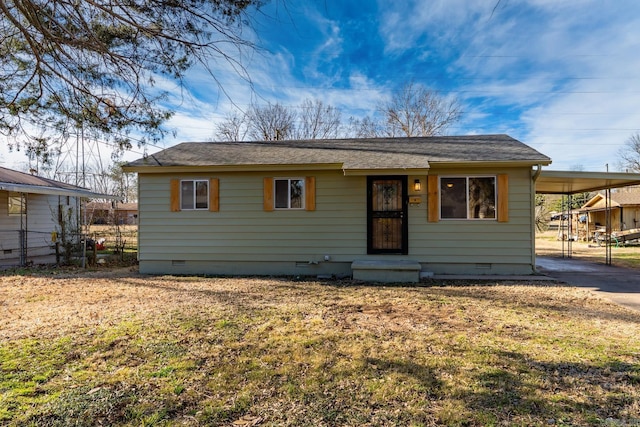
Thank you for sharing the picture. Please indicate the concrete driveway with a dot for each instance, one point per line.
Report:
(618, 284)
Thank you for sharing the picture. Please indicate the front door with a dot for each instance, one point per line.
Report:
(387, 228)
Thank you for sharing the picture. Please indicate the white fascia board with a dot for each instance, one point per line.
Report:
(36, 189)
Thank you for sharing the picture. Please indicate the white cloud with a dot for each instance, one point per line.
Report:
(404, 24)
(561, 75)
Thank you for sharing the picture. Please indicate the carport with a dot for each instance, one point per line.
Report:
(569, 183)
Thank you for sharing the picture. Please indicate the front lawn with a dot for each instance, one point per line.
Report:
(122, 349)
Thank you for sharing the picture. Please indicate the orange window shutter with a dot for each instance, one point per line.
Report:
(175, 195)
(268, 194)
(310, 193)
(503, 198)
(432, 198)
(214, 195)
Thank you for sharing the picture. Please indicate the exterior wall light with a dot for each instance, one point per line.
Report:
(417, 185)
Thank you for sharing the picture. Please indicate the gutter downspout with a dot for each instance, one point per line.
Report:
(537, 173)
(534, 178)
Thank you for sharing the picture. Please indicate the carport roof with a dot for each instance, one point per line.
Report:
(572, 182)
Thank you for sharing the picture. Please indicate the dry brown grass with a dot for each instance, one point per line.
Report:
(625, 256)
(120, 348)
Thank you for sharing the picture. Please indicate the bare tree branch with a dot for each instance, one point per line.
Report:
(233, 128)
(630, 154)
(417, 111)
(412, 111)
(274, 122)
(271, 123)
(365, 128)
(318, 121)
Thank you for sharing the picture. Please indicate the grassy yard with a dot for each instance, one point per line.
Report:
(622, 255)
(122, 349)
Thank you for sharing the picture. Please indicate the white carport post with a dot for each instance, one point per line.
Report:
(608, 226)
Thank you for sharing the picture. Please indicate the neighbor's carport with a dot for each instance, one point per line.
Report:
(568, 183)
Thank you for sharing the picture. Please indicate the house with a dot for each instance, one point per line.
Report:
(35, 213)
(112, 213)
(390, 208)
(622, 206)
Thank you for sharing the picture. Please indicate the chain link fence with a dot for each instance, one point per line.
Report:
(97, 245)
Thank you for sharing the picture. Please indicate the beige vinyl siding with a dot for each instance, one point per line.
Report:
(243, 232)
(41, 221)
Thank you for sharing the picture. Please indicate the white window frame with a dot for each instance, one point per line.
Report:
(195, 208)
(16, 204)
(466, 178)
(302, 196)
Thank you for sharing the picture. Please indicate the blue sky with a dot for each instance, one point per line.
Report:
(561, 76)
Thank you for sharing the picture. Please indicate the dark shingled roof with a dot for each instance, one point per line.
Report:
(361, 153)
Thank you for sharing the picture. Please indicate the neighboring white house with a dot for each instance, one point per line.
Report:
(367, 207)
(32, 211)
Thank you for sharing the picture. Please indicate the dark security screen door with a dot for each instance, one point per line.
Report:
(387, 215)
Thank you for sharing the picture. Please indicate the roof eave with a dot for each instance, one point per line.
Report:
(233, 168)
(52, 191)
(385, 171)
(489, 164)
(599, 209)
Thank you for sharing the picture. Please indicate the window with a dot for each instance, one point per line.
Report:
(289, 193)
(194, 194)
(16, 204)
(468, 197)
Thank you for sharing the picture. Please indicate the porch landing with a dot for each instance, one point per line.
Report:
(386, 271)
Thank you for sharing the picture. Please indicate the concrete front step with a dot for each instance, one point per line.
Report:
(386, 271)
